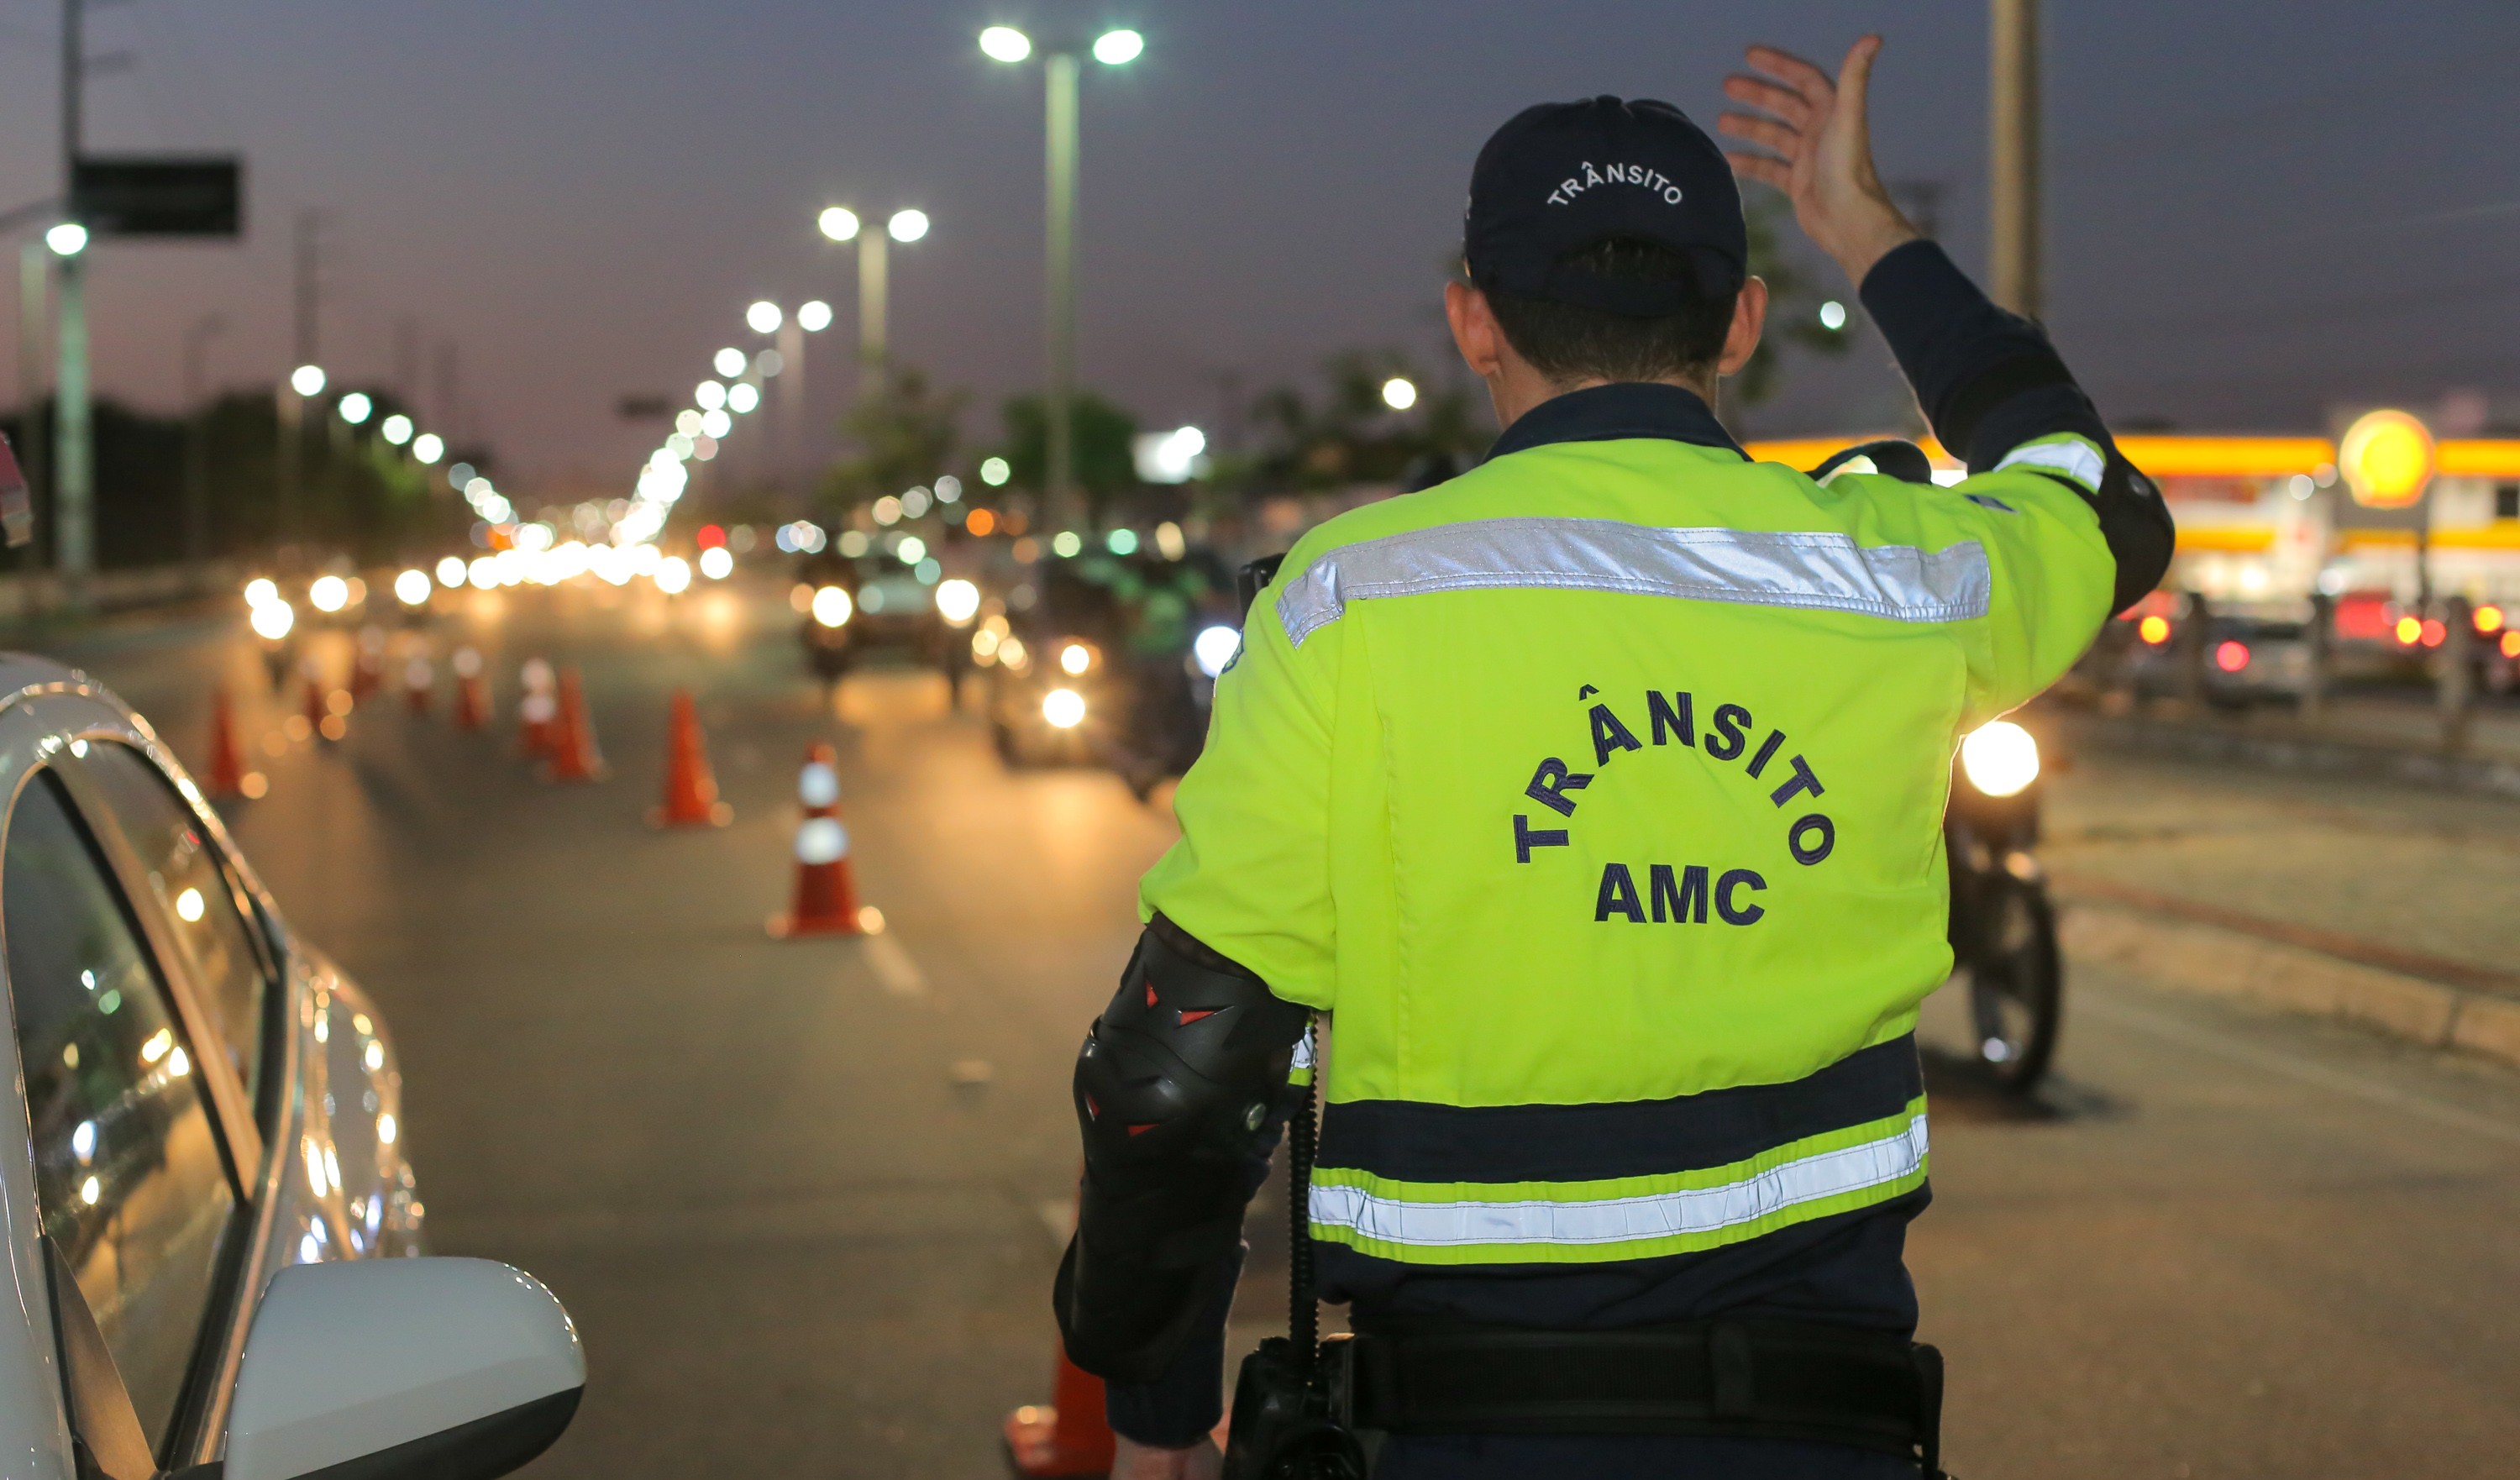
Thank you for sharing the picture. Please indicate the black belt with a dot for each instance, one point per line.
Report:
(1758, 1379)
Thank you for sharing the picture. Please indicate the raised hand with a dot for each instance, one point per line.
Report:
(1823, 145)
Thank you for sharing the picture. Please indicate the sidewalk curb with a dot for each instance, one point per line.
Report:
(2298, 750)
(2191, 957)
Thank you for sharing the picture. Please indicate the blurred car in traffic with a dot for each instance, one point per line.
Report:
(1111, 662)
(2249, 657)
(212, 1111)
(1053, 690)
(882, 607)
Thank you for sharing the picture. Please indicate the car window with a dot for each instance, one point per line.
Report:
(129, 1178)
(200, 899)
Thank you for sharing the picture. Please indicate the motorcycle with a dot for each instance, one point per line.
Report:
(2002, 923)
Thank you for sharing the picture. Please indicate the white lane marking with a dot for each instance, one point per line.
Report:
(893, 966)
(2277, 1061)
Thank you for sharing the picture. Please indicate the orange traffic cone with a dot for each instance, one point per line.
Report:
(368, 668)
(418, 677)
(327, 709)
(691, 788)
(826, 900)
(471, 693)
(538, 713)
(574, 757)
(1066, 1436)
(228, 775)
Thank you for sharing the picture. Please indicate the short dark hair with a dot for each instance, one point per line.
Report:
(1566, 341)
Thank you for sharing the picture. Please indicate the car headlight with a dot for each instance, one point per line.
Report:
(1214, 648)
(272, 620)
(1064, 709)
(957, 600)
(1076, 657)
(833, 606)
(1999, 758)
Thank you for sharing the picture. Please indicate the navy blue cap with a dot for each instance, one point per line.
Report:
(1564, 175)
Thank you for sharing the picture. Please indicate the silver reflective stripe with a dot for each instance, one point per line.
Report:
(1626, 1220)
(1822, 572)
(2077, 459)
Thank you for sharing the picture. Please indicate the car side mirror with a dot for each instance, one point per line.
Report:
(444, 1368)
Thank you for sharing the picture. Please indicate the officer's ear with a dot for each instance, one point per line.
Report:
(1475, 330)
(1749, 319)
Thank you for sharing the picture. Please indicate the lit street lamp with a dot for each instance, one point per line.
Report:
(1060, 64)
(841, 224)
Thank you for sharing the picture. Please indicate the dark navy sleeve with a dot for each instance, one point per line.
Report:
(1186, 1403)
(1988, 380)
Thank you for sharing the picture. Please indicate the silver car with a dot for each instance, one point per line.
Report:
(204, 1205)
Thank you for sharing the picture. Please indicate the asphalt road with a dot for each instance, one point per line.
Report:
(801, 1196)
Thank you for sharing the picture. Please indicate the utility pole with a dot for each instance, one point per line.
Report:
(196, 441)
(2012, 161)
(73, 487)
(791, 400)
(34, 328)
(1059, 68)
(306, 342)
(406, 382)
(449, 399)
(450, 389)
(874, 343)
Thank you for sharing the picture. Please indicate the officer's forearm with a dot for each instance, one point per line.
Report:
(1989, 381)
(1185, 1401)
(1969, 361)
(1178, 1089)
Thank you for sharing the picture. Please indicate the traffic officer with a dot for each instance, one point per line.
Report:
(1595, 797)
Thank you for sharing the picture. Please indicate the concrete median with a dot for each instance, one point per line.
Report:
(2439, 1004)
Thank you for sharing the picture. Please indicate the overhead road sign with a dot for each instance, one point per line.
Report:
(164, 195)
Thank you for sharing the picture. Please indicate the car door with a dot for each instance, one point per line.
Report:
(141, 1144)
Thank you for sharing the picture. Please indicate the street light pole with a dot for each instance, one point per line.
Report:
(2012, 163)
(791, 398)
(74, 477)
(1061, 61)
(196, 442)
(1060, 69)
(34, 293)
(288, 403)
(874, 289)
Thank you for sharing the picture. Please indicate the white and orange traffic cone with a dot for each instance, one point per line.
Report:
(327, 709)
(1066, 1437)
(691, 788)
(825, 898)
(228, 775)
(538, 713)
(574, 757)
(418, 678)
(368, 667)
(471, 690)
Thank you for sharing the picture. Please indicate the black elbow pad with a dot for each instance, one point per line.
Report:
(1184, 1064)
(2137, 526)
(1172, 1089)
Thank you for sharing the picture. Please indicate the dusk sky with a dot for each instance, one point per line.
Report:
(2256, 212)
